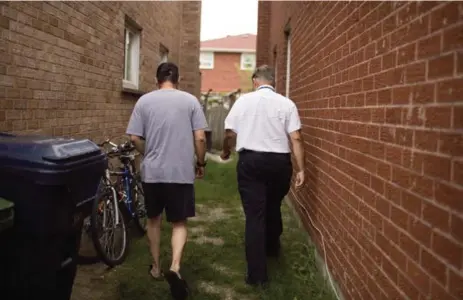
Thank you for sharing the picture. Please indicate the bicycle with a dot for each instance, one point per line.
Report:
(119, 202)
(130, 188)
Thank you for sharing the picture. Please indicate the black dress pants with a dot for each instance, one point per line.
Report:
(263, 181)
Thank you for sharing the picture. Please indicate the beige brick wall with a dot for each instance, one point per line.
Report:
(61, 63)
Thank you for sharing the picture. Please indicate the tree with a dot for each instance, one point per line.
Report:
(245, 79)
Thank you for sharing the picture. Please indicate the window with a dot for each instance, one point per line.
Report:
(248, 61)
(206, 60)
(163, 54)
(132, 57)
(288, 64)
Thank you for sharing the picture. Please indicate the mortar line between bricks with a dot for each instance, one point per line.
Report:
(320, 41)
(426, 200)
(386, 106)
(440, 31)
(373, 75)
(389, 125)
(417, 60)
(321, 29)
(403, 231)
(355, 240)
(438, 180)
(417, 32)
(47, 42)
(326, 232)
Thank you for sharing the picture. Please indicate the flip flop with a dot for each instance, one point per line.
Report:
(159, 278)
(178, 286)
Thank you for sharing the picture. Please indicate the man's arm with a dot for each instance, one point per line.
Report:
(298, 149)
(231, 129)
(200, 146)
(198, 124)
(139, 143)
(136, 128)
(293, 127)
(229, 137)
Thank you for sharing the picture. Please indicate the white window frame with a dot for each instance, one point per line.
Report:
(211, 57)
(163, 54)
(164, 57)
(288, 65)
(243, 59)
(134, 59)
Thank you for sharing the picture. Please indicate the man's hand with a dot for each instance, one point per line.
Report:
(139, 143)
(300, 178)
(225, 155)
(199, 172)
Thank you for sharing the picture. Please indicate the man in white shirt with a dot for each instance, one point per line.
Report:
(265, 123)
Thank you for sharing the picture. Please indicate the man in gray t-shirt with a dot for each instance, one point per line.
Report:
(167, 127)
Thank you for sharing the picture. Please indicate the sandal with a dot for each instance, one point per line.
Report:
(160, 277)
(178, 286)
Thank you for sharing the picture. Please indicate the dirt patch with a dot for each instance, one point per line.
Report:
(89, 283)
(208, 240)
(226, 293)
(224, 270)
(196, 230)
(205, 214)
(198, 235)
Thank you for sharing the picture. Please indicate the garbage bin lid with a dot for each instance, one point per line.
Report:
(39, 154)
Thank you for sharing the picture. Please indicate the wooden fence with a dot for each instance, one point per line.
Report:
(216, 115)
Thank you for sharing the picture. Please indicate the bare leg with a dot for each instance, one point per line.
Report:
(179, 237)
(154, 237)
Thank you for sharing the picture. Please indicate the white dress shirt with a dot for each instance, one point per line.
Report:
(263, 120)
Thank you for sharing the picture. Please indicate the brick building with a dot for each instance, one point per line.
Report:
(77, 68)
(226, 63)
(379, 90)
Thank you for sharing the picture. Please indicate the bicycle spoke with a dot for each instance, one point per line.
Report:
(112, 236)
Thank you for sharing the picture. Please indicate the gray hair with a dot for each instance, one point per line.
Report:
(264, 73)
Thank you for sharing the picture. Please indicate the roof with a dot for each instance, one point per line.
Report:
(231, 43)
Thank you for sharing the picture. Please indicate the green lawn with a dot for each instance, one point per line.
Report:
(214, 261)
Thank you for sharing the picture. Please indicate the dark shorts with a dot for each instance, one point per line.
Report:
(177, 199)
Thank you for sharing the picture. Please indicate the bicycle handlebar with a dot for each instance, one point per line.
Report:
(118, 149)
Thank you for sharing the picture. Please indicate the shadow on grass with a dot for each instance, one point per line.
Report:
(216, 270)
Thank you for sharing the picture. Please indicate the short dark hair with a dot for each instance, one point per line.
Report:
(167, 72)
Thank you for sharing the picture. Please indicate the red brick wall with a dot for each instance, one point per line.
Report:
(226, 75)
(263, 32)
(61, 63)
(379, 90)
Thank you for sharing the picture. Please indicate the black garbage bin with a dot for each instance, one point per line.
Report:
(51, 182)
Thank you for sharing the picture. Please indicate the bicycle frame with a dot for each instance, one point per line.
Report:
(115, 199)
(127, 181)
(126, 176)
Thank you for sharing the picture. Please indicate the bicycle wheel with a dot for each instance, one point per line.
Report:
(109, 237)
(138, 205)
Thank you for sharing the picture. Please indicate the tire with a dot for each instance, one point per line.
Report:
(104, 202)
(138, 206)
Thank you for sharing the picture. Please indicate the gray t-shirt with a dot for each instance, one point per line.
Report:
(166, 119)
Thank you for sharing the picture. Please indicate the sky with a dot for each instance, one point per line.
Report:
(220, 18)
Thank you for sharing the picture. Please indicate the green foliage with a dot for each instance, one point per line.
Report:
(245, 78)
